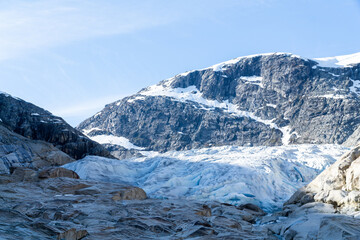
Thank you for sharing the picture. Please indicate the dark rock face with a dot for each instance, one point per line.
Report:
(183, 126)
(36, 123)
(306, 103)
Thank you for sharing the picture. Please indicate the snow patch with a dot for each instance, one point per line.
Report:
(111, 139)
(135, 99)
(334, 96)
(271, 105)
(98, 114)
(339, 61)
(355, 88)
(333, 74)
(87, 131)
(8, 95)
(256, 80)
(221, 66)
(286, 135)
(267, 176)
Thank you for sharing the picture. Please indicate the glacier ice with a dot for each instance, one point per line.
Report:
(267, 176)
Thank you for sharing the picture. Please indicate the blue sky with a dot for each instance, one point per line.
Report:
(73, 57)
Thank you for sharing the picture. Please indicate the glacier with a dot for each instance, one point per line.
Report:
(266, 176)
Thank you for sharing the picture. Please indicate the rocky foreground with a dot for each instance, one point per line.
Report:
(55, 204)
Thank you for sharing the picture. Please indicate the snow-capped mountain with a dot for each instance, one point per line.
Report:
(266, 99)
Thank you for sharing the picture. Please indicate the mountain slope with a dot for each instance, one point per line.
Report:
(267, 99)
(36, 123)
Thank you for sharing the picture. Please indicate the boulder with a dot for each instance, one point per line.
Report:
(129, 193)
(72, 234)
(57, 172)
(205, 211)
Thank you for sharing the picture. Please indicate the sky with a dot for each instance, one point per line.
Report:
(73, 57)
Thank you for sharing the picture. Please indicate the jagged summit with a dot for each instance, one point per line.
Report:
(264, 99)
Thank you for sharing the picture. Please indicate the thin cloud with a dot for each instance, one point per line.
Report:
(27, 26)
(85, 108)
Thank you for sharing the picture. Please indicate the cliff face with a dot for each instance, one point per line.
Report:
(269, 99)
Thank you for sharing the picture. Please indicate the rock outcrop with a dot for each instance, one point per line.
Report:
(327, 208)
(269, 99)
(57, 172)
(18, 151)
(314, 220)
(338, 185)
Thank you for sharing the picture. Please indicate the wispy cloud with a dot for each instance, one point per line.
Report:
(32, 25)
(86, 108)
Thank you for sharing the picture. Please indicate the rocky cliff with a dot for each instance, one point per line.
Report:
(267, 99)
